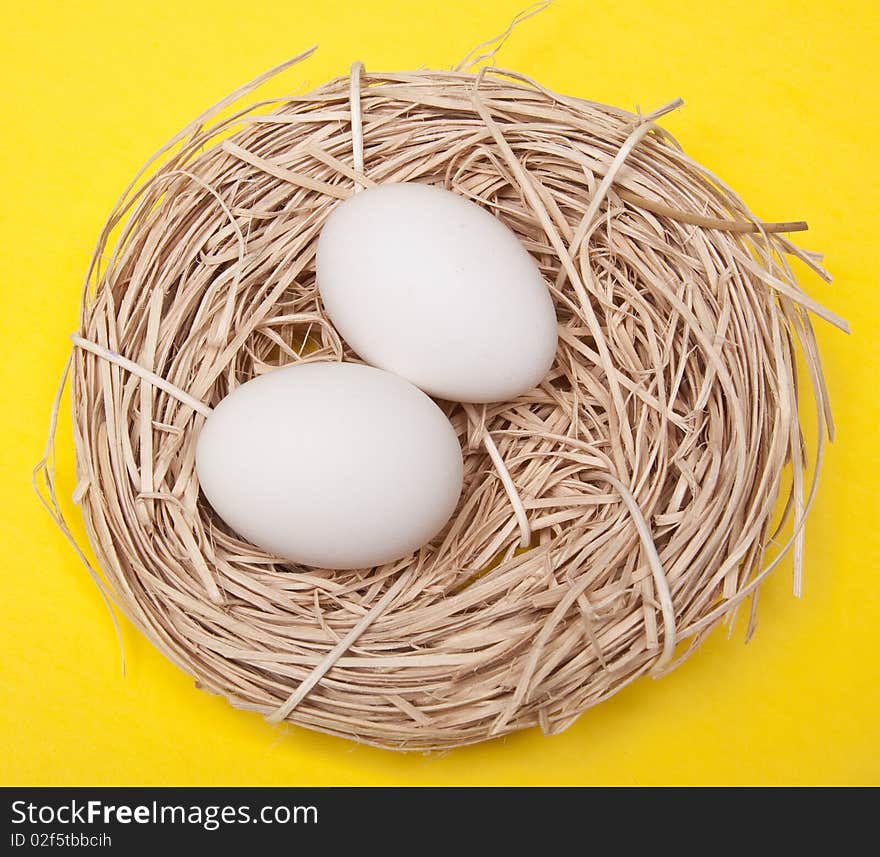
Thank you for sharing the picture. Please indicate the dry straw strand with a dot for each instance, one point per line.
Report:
(649, 463)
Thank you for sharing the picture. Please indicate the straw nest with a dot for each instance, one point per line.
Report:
(661, 465)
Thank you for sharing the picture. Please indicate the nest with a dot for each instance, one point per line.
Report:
(661, 465)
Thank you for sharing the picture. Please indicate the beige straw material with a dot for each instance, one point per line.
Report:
(660, 465)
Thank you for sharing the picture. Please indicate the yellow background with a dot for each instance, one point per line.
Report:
(781, 101)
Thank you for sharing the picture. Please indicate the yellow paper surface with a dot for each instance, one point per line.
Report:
(781, 101)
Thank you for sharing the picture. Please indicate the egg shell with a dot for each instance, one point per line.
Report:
(334, 465)
(426, 284)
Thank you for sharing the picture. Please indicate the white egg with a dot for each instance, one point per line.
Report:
(334, 465)
(426, 284)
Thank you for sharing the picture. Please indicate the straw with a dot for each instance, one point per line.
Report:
(645, 472)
